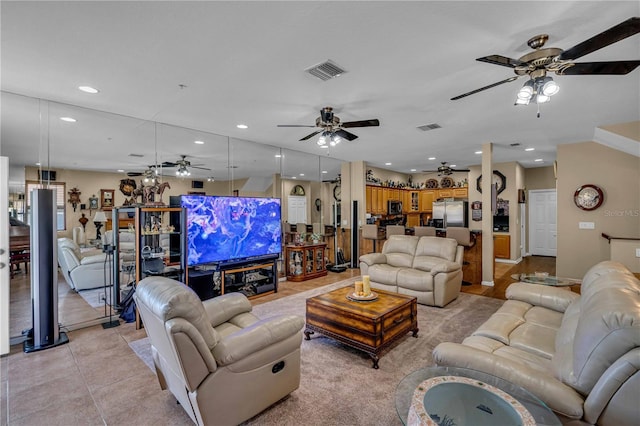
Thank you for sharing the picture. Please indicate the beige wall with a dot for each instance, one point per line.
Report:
(628, 130)
(618, 175)
(539, 178)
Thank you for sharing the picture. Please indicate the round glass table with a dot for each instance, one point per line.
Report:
(546, 280)
(407, 386)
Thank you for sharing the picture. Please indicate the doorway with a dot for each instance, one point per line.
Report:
(543, 224)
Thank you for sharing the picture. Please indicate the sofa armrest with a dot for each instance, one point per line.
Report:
(373, 258)
(558, 396)
(554, 298)
(222, 308)
(96, 258)
(256, 337)
(445, 266)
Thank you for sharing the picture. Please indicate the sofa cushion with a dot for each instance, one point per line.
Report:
(443, 248)
(383, 273)
(399, 250)
(427, 263)
(415, 280)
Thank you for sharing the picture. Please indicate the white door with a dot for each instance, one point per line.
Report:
(4, 256)
(542, 222)
(297, 210)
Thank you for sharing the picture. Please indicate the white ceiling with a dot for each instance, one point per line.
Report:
(244, 62)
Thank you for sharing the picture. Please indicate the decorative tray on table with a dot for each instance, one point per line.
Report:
(353, 296)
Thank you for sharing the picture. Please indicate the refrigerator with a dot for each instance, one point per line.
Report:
(450, 213)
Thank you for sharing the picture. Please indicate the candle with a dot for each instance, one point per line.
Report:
(366, 285)
(358, 287)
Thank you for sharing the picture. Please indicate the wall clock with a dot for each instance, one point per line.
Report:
(297, 190)
(496, 178)
(588, 197)
(336, 192)
(107, 198)
(318, 204)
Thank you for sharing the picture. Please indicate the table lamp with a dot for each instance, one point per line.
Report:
(98, 220)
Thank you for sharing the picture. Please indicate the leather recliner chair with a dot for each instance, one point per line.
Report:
(82, 271)
(220, 361)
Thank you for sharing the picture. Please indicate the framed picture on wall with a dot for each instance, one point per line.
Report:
(106, 198)
(93, 203)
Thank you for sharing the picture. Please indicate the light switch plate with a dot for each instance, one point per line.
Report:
(638, 252)
(587, 225)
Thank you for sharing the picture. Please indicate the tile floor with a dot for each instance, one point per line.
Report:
(96, 379)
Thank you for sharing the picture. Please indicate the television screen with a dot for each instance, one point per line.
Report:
(223, 229)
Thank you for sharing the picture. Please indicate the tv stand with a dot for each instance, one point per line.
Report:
(253, 278)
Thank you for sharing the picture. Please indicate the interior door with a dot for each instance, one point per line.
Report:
(4, 256)
(297, 211)
(542, 222)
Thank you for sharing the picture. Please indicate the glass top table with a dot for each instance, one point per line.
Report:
(546, 280)
(407, 386)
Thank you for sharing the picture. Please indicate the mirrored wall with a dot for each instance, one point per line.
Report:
(99, 150)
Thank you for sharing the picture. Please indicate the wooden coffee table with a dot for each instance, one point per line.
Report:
(367, 326)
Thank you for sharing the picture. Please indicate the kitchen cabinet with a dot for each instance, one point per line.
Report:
(502, 246)
(368, 200)
(460, 192)
(426, 200)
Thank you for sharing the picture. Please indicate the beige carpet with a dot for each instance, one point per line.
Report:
(338, 385)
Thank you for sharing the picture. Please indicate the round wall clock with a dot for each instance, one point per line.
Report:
(336, 192)
(297, 190)
(318, 204)
(588, 197)
(497, 178)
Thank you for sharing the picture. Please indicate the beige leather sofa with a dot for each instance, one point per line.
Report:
(429, 268)
(82, 271)
(580, 354)
(221, 362)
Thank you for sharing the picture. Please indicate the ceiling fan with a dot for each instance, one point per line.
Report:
(445, 170)
(543, 60)
(183, 166)
(331, 129)
(151, 172)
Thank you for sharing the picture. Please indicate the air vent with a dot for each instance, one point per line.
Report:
(326, 70)
(136, 155)
(514, 144)
(428, 127)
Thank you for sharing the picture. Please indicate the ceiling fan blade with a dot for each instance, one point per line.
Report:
(510, 79)
(614, 34)
(132, 174)
(201, 168)
(293, 125)
(361, 123)
(311, 135)
(345, 135)
(611, 68)
(501, 60)
(167, 164)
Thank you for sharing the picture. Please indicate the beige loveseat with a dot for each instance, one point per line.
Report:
(429, 268)
(580, 354)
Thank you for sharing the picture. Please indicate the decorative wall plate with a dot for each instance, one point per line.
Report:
(431, 183)
(447, 182)
(297, 190)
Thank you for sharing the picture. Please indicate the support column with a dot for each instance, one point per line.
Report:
(487, 215)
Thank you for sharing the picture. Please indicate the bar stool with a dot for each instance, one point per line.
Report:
(370, 232)
(424, 231)
(463, 237)
(394, 230)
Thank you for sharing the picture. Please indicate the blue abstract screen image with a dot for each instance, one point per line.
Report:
(223, 229)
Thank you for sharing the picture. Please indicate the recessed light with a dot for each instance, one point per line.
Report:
(88, 89)
(293, 177)
(538, 160)
(432, 158)
(68, 119)
(478, 152)
(387, 164)
(413, 170)
(324, 172)
(529, 149)
(199, 142)
(242, 126)
(301, 174)
(324, 146)
(120, 171)
(278, 156)
(453, 165)
(38, 164)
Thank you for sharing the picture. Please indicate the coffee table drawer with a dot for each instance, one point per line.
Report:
(398, 322)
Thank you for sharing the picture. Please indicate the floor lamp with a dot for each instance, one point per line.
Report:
(98, 220)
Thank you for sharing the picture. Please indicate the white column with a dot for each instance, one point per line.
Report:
(487, 215)
(4, 257)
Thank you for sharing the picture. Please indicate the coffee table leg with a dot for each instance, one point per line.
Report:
(307, 334)
(375, 359)
(415, 332)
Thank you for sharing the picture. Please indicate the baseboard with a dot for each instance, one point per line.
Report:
(510, 261)
(488, 283)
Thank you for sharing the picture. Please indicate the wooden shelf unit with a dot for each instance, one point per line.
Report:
(306, 261)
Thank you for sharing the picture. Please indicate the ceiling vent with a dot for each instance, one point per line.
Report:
(326, 70)
(514, 144)
(428, 127)
(136, 155)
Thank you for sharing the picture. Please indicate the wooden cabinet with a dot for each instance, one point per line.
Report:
(250, 279)
(445, 193)
(368, 199)
(305, 262)
(426, 200)
(460, 192)
(502, 246)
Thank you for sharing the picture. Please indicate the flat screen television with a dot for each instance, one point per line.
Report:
(231, 229)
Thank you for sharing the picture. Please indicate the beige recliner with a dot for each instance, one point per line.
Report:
(220, 361)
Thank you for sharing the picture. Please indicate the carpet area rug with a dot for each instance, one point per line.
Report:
(338, 385)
